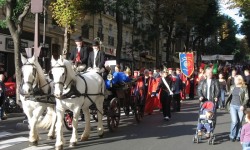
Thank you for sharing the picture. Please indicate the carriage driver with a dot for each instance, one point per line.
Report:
(79, 55)
(96, 58)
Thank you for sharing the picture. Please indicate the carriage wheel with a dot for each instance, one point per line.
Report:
(113, 117)
(138, 109)
(68, 118)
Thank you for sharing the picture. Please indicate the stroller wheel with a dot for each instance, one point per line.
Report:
(212, 141)
(209, 141)
(194, 139)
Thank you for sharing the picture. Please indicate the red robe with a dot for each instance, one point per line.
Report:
(149, 101)
(184, 81)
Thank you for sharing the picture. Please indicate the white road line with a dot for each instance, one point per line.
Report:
(39, 147)
(12, 142)
(3, 134)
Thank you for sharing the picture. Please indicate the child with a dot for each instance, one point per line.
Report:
(245, 132)
(206, 123)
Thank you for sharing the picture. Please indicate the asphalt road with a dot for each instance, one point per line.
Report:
(153, 133)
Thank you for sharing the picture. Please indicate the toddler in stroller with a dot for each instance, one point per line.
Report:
(206, 122)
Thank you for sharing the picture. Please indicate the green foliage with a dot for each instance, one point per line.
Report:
(18, 8)
(66, 12)
(3, 24)
(2, 3)
(228, 32)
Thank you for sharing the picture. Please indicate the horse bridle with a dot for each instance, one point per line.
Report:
(34, 74)
(65, 76)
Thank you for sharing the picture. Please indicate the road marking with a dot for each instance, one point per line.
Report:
(3, 134)
(40, 147)
(12, 142)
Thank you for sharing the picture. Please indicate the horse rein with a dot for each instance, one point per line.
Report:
(34, 74)
(65, 77)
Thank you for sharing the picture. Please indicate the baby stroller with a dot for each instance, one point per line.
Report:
(206, 121)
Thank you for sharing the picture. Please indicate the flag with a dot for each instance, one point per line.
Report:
(187, 63)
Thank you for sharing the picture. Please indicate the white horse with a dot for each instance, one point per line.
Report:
(34, 78)
(91, 88)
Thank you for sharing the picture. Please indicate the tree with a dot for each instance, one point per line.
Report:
(15, 12)
(66, 13)
(228, 32)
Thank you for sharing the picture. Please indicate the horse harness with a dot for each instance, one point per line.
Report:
(37, 91)
(73, 90)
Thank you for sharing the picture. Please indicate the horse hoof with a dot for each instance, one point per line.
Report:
(72, 144)
(51, 137)
(59, 147)
(84, 138)
(35, 143)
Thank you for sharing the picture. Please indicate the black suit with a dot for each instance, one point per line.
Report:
(99, 61)
(83, 55)
(214, 89)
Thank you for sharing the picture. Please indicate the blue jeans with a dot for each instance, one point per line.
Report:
(246, 146)
(236, 124)
(206, 126)
(222, 98)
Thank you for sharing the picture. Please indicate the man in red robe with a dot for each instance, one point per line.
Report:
(146, 85)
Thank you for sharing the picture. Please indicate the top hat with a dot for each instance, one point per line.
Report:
(95, 43)
(78, 39)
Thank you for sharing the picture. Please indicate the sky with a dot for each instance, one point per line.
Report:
(232, 13)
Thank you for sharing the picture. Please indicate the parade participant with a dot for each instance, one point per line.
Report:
(184, 81)
(223, 90)
(79, 55)
(201, 75)
(208, 89)
(245, 132)
(177, 87)
(146, 83)
(156, 73)
(230, 80)
(165, 86)
(247, 82)
(192, 86)
(96, 58)
(236, 103)
(2, 97)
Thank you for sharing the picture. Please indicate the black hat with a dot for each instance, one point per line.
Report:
(78, 39)
(95, 43)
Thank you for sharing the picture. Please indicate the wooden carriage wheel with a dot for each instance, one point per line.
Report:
(114, 114)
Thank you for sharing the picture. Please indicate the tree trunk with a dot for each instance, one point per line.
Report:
(157, 39)
(187, 40)
(169, 39)
(65, 43)
(119, 22)
(17, 56)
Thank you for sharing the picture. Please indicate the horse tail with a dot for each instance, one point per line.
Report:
(47, 120)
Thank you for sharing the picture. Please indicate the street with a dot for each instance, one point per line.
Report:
(153, 133)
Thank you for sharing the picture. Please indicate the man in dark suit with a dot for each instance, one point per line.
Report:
(96, 58)
(79, 54)
(209, 88)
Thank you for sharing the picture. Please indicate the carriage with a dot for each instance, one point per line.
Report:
(89, 93)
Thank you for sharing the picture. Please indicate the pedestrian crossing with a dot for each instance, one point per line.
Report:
(7, 142)
(4, 144)
(11, 142)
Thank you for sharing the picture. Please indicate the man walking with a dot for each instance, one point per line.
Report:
(208, 88)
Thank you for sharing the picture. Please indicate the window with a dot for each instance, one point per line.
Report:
(100, 28)
(111, 41)
(85, 31)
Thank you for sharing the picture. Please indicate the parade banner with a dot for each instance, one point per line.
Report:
(187, 63)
